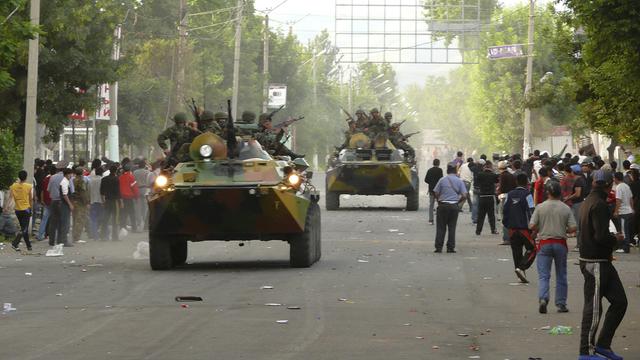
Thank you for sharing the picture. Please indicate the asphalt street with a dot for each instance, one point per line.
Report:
(379, 292)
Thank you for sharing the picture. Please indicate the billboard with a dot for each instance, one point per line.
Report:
(103, 111)
(277, 95)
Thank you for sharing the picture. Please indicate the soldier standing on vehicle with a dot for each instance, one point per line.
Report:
(270, 138)
(400, 141)
(177, 135)
(348, 133)
(247, 126)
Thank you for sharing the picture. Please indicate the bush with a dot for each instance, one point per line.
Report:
(10, 158)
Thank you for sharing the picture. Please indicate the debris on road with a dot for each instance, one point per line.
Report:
(393, 230)
(504, 260)
(487, 278)
(28, 274)
(57, 250)
(188, 298)
(561, 330)
(59, 294)
(81, 241)
(363, 261)
(266, 287)
(272, 304)
(8, 308)
(282, 321)
(142, 251)
(294, 307)
(463, 335)
(184, 306)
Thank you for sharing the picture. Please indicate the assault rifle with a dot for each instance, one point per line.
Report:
(406, 137)
(194, 109)
(347, 113)
(270, 116)
(286, 123)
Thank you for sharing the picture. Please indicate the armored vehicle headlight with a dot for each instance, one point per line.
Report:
(294, 179)
(161, 181)
(206, 150)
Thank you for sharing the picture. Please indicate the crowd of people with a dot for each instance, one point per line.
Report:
(542, 201)
(65, 202)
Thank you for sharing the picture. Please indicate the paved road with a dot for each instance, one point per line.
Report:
(378, 293)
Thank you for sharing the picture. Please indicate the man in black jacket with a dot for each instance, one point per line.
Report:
(600, 276)
(433, 175)
(516, 215)
(487, 181)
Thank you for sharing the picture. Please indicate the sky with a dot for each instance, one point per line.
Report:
(308, 18)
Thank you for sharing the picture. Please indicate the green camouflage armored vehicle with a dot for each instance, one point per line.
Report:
(368, 167)
(246, 196)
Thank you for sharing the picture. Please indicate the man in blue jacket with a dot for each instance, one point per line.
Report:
(517, 210)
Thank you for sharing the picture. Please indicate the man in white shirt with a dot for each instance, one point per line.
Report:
(466, 175)
(624, 209)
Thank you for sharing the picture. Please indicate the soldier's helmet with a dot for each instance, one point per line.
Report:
(374, 111)
(359, 112)
(220, 116)
(248, 117)
(388, 115)
(180, 118)
(207, 115)
(395, 126)
(263, 118)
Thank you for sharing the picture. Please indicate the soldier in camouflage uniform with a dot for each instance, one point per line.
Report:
(177, 135)
(377, 125)
(362, 121)
(80, 200)
(400, 142)
(247, 126)
(271, 139)
(388, 116)
(348, 133)
(208, 123)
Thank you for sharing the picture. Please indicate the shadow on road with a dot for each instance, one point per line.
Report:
(235, 265)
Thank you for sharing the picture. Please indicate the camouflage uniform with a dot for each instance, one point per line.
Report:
(208, 123)
(377, 125)
(247, 126)
(271, 141)
(398, 140)
(80, 200)
(177, 135)
(362, 121)
(348, 134)
(388, 116)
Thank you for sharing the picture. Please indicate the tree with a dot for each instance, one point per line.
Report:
(607, 75)
(10, 158)
(15, 30)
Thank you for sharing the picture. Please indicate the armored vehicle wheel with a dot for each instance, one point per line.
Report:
(179, 252)
(160, 254)
(413, 201)
(332, 200)
(303, 247)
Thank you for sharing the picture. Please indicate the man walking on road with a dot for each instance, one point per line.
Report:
(517, 212)
(600, 276)
(623, 209)
(552, 220)
(110, 190)
(449, 191)
(433, 175)
(22, 194)
(487, 181)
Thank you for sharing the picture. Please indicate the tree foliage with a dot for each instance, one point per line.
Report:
(10, 158)
(607, 74)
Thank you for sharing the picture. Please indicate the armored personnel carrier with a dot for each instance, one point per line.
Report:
(235, 192)
(367, 167)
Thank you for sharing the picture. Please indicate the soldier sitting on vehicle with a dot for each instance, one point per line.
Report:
(347, 134)
(247, 126)
(362, 121)
(377, 125)
(178, 134)
(208, 123)
(400, 141)
(388, 116)
(270, 138)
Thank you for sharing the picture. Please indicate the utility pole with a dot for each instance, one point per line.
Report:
(265, 70)
(349, 97)
(182, 43)
(314, 77)
(32, 94)
(236, 61)
(526, 144)
(112, 134)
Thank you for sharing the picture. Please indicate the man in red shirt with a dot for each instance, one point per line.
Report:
(539, 194)
(45, 199)
(128, 192)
